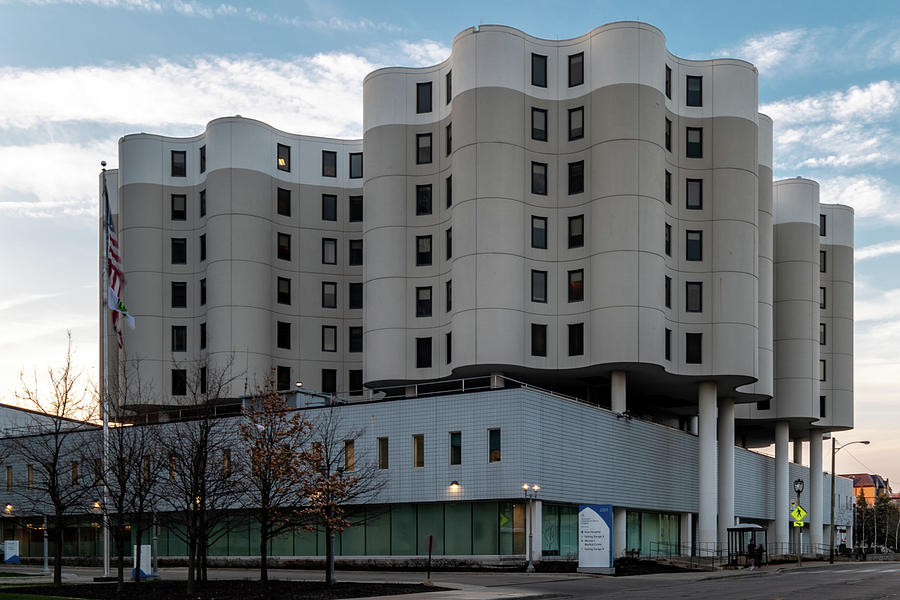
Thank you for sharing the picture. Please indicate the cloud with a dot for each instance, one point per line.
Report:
(25, 299)
(770, 50)
(877, 250)
(871, 197)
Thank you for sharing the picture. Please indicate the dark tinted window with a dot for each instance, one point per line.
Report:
(539, 178)
(179, 251)
(539, 232)
(283, 378)
(423, 97)
(283, 335)
(668, 135)
(538, 286)
(694, 192)
(538, 340)
(694, 148)
(423, 148)
(576, 123)
(423, 199)
(329, 251)
(179, 167)
(202, 203)
(576, 339)
(179, 207)
(694, 248)
(203, 159)
(284, 202)
(668, 187)
(668, 82)
(284, 290)
(355, 377)
(539, 70)
(329, 381)
(423, 301)
(179, 382)
(355, 257)
(329, 294)
(694, 90)
(448, 183)
(284, 246)
(179, 338)
(576, 231)
(423, 353)
(355, 341)
(329, 207)
(356, 165)
(576, 285)
(355, 209)
(576, 69)
(693, 301)
(576, 177)
(355, 296)
(423, 250)
(693, 348)
(329, 163)
(283, 162)
(539, 124)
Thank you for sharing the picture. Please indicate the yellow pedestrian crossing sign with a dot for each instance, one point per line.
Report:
(798, 513)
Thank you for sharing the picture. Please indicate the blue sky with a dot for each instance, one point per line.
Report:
(75, 75)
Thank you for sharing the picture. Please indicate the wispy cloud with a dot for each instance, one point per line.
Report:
(23, 299)
(877, 250)
(871, 197)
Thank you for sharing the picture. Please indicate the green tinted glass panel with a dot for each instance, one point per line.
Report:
(633, 531)
(353, 539)
(403, 529)
(458, 528)
(431, 522)
(378, 531)
(177, 540)
(568, 531)
(239, 536)
(218, 540)
(485, 534)
(304, 542)
(282, 544)
(550, 530)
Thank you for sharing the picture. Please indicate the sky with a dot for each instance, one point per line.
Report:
(75, 75)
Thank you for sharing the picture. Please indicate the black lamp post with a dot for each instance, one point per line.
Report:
(834, 450)
(531, 492)
(798, 487)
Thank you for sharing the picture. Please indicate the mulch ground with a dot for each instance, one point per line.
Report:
(225, 590)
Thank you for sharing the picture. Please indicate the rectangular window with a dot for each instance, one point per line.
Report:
(668, 82)
(383, 448)
(284, 202)
(694, 91)
(329, 251)
(329, 163)
(284, 290)
(822, 225)
(283, 335)
(694, 192)
(764, 405)
(329, 294)
(821, 297)
(455, 447)
(354, 296)
(693, 299)
(355, 257)
(9, 478)
(202, 203)
(226, 463)
(423, 301)
(203, 336)
(203, 159)
(669, 187)
(204, 382)
(493, 445)
(448, 239)
(539, 286)
(576, 177)
(423, 353)
(179, 163)
(821, 370)
(668, 134)
(822, 337)
(329, 381)
(449, 138)
(329, 338)
(284, 246)
(448, 293)
(179, 338)
(202, 246)
(576, 123)
(538, 340)
(539, 70)
(448, 346)
(179, 382)
(576, 69)
(283, 161)
(179, 294)
(822, 407)
(694, 137)
(448, 86)
(576, 231)
(823, 257)
(423, 250)
(179, 251)
(329, 207)
(423, 148)
(448, 190)
(539, 178)
(576, 285)
(356, 165)
(576, 339)
(283, 378)
(668, 291)
(348, 455)
(694, 246)
(355, 209)
(539, 232)
(202, 292)
(693, 351)
(423, 97)
(179, 207)
(75, 473)
(668, 344)
(423, 200)
(355, 341)
(30, 483)
(668, 240)
(539, 124)
(418, 451)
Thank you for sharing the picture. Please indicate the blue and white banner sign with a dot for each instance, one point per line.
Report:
(595, 529)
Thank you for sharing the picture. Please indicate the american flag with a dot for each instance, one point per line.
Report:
(113, 262)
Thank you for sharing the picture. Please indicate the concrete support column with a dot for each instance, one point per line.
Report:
(620, 540)
(692, 426)
(708, 484)
(798, 451)
(816, 483)
(686, 527)
(782, 498)
(537, 541)
(618, 402)
(497, 380)
(726, 469)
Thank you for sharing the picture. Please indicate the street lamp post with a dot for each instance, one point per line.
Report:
(834, 450)
(531, 492)
(798, 487)
(46, 568)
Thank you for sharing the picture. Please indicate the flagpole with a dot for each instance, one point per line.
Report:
(104, 396)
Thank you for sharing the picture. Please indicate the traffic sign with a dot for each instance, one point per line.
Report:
(798, 513)
(799, 523)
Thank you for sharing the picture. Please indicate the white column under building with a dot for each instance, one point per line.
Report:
(726, 469)
(782, 498)
(816, 481)
(707, 529)
(687, 532)
(618, 402)
(797, 447)
(620, 540)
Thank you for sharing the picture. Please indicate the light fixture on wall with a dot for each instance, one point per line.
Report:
(454, 486)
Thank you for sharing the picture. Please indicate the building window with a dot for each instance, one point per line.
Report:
(179, 382)
(668, 291)
(179, 163)
(576, 69)
(694, 247)
(576, 231)
(448, 346)
(576, 123)
(283, 378)
(284, 290)
(423, 97)
(694, 137)
(576, 177)
(383, 453)
(329, 163)
(668, 82)
(418, 451)
(355, 341)
(203, 159)
(693, 299)
(448, 238)
(448, 185)
(30, 481)
(283, 161)
(356, 165)
(448, 290)
(423, 301)
(538, 340)
(226, 463)
(821, 370)
(539, 70)
(355, 209)
(423, 148)
(822, 225)
(179, 251)
(823, 256)
(202, 292)
(202, 246)
(822, 337)
(179, 207)
(179, 338)
(284, 202)
(693, 354)
(423, 250)
(493, 445)
(668, 134)
(669, 187)
(694, 91)
(75, 473)
(822, 407)
(448, 86)
(203, 336)
(355, 257)
(539, 124)
(539, 178)
(329, 381)
(283, 335)
(354, 296)
(539, 232)
(179, 294)
(423, 353)
(329, 251)
(348, 455)
(668, 240)
(329, 294)
(202, 203)
(329, 338)
(449, 138)
(576, 285)
(329, 207)
(9, 478)
(694, 193)
(539, 286)
(821, 297)
(576, 339)
(423, 200)
(455, 447)
(284, 246)
(668, 344)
